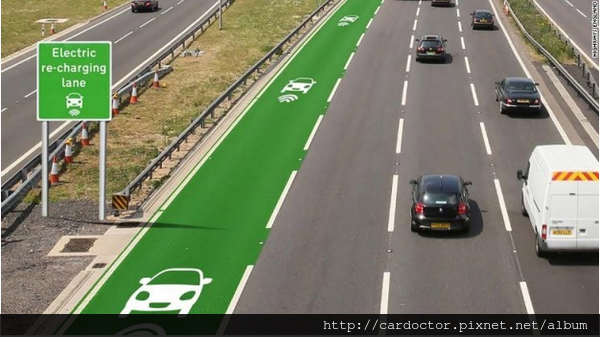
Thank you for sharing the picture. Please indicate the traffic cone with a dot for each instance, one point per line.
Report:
(115, 105)
(505, 9)
(54, 172)
(52, 29)
(156, 85)
(68, 152)
(85, 141)
(133, 99)
(105, 5)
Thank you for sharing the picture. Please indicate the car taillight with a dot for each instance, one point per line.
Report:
(421, 49)
(462, 209)
(508, 100)
(419, 208)
(440, 50)
(544, 231)
(537, 101)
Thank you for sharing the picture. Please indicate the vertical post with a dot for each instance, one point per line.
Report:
(102, 178)
(43, 29)
(220, 14)
(44, 169)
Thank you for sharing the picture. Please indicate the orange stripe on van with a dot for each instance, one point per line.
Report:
(575, 176)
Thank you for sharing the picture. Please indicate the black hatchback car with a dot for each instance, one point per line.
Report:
(482, 18)
(431, 47)
(518, 93)
(440, 202)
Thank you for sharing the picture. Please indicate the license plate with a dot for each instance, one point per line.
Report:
(561, 232)
(430, 53)
(442, 225)
(484, 20)
(522, 101)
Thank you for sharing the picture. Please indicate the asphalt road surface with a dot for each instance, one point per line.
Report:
(135, 36)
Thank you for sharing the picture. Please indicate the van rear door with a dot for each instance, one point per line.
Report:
(587, 211)
(562, 221)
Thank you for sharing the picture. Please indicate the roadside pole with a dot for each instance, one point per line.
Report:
(102, 187)
(220, 14)
(45, 169)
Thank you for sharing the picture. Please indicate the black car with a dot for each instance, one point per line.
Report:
(440, 202)
(518, 94)
(431, 47)
(441, 2)
(145, 5)
(482, 18)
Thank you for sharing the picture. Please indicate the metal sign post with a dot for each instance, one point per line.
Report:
(74, 80)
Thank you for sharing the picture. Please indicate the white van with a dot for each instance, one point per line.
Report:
(560, 195)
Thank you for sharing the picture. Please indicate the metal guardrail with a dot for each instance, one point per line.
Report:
(29, 175)
(589, 97)
(209, 111)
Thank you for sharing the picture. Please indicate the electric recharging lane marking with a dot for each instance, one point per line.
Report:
(348, 62)
(281, 199)
(239, 290)
(334, 90)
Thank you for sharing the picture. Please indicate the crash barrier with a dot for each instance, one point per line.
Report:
(17, 186)
(199, 122)
(590, 97)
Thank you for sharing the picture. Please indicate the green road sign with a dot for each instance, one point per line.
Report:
(74, 81)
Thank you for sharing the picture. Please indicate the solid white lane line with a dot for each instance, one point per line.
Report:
(369, 24)
(582, 13)
(526, 298)
(393, 197)
(458, 12)
(399, 139)
(505, 217)
(561, 131)
(385, 293)
(239, 290)
(456, 2)
(180, 1)
(475, 100)
(467, 65)
(412, 39)
(570, 4)
(377, 10)
(360, 39)
(585, 123)
(459, 27)
(286, 189)
(31, 93)
(418, 10)
(313, 132)
(334, 90)
(462, 42)
(415, 25)
(408, 63)
(3, 109)
(165, 12)
(404, 92)
(147, 22)
(124, 36)
(349, 60)
(486, 141)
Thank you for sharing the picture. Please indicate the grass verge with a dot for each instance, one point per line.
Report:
(540, 28)
(19, 27)
(142, 131)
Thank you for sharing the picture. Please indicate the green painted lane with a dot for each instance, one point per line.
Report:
(217, 222)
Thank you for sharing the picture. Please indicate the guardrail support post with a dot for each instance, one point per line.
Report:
(220, 14)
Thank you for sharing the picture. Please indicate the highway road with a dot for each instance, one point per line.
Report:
(303, 206)
(136, 38)
(574, 18)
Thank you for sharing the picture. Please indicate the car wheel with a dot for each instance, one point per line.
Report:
(501, 108)
(523, 209)
(413, 227)
(133, 10)
(538, 247)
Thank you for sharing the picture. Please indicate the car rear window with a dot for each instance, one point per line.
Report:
(430, 44)
(483, 15)
(438, 198)
(521, 87)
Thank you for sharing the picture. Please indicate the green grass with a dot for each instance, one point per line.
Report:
(19, 27)
(540, 28)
